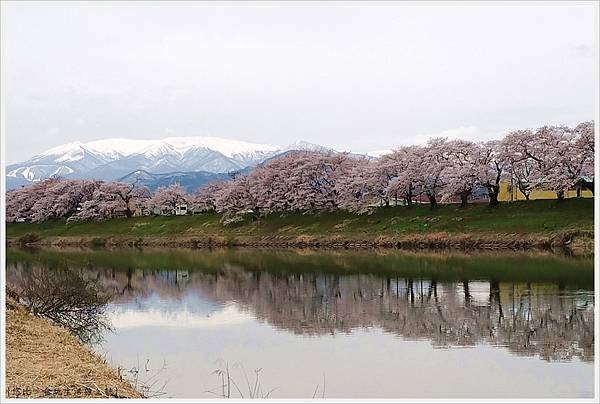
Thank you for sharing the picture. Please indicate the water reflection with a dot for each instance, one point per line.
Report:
(551, 319)
(374, 308)
(529, 318)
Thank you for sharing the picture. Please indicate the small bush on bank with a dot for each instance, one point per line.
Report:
(29, 238)
(98, 242)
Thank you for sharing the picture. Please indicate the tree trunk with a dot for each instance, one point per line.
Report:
(495, 297)
(432, 201)
(588, 185)
(127, 200)
(467, 293)
(464, 199)
(560, 195)
(493, 193)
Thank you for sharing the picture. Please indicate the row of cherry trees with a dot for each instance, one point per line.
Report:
(551, 158)
(58, 198)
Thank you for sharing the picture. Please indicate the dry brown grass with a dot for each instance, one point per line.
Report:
(577, 242)
(43, 360)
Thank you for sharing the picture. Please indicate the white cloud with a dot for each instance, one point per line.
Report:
(130, 318)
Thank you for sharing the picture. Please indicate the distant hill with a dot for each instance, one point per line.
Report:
(14, 183)
(191, 181)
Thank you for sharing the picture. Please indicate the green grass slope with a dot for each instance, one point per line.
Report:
(532, 217)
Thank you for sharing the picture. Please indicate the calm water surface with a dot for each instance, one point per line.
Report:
(341, 324)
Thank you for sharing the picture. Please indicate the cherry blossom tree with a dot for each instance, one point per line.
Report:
(357, 191)
(236, 198)
(523, 169)
(492, 166)
(132, 196)
(112, 199)
(169, 197)
(101, 207)
(206, 197)
(405, 164)
(552, 157)
(51, 199)
(549, 149)
(584, 137)
(315, 177)
(379, 174)
(584, 146)
(300, 181)
(434, 161)
(274, 185)
(62, 199)
(20, 202)
(461, 172)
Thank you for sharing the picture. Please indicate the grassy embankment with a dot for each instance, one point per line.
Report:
(46, 361)
(519, 225)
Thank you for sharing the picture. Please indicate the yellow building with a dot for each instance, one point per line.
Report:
(505, 193)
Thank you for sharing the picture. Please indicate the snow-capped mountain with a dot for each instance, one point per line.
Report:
(191, 158)
(115, 158)
(307, 146)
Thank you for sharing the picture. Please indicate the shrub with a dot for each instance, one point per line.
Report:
(67, 297)
(29, 238)
(98, 242)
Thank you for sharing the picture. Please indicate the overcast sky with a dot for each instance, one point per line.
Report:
(351, 76)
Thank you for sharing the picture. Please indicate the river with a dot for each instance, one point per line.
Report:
(338, 324)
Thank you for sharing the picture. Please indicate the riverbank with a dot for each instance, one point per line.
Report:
(544, 225)
(46, 361)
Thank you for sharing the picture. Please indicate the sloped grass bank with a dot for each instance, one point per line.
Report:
(519, 225)
(46, 361)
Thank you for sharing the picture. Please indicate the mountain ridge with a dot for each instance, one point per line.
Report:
(114, 158)
(190, 181)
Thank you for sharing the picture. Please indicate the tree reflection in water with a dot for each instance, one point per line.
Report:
(527, 318)
(548, 318)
